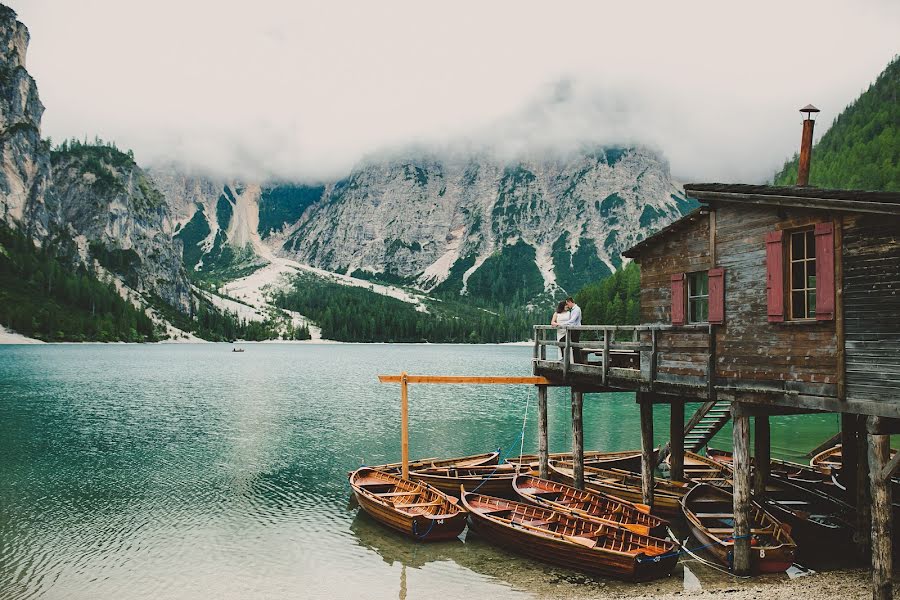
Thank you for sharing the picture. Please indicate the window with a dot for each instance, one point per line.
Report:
(698, 297)
(802, 275)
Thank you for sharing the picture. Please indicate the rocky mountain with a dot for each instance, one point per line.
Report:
(24, 157)
(89, 194)
(499, 231)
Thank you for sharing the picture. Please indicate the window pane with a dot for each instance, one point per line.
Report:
(797, 275)
(811, 306)
(811, 282)
(810, 244)
(811, 268)
(796, 246)
(798, 305)
(704, 310)
(703, 284)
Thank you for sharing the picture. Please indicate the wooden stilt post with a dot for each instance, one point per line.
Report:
(577, 438)
(647, 462)
(863, 500)
(849, 453)
(882, 513)
(741, 439)
(543, 447)
(676, 440)
(762, 455)
(404, 423)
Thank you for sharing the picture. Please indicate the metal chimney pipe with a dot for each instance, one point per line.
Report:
(806, 143)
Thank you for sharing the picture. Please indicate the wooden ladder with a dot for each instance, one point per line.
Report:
(706, 422)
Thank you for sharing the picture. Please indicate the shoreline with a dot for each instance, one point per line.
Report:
(8, 338)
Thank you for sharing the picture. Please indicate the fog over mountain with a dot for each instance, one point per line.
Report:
(306, 90)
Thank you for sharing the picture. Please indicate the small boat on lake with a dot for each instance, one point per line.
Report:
(831, 460)
(626, 485)
(802, 475)
(628, 460)
(475, 460)
(237, 349)
(413, 508)
(493, 480)
(589, 504)
(699, 469)
(569, 541)
(709, 511)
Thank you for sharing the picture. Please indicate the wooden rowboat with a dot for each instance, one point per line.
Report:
(491, 480)
(569, 541)
(709, 511)
(830, 461)
(804, 476)
(476, 460)
(627, 460)
(701, 469)
(590, 505)
(667, 494)
(411, 507)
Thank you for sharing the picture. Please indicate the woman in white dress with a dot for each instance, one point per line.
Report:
(559, 319)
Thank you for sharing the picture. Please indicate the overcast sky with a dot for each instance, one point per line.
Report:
(304, 90)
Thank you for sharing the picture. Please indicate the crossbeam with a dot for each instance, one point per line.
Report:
(461, 379)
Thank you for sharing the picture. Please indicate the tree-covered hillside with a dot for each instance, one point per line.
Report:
(861, 150)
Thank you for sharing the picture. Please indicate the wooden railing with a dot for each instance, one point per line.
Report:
(631, 344)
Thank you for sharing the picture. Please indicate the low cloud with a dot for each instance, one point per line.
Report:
(306, 90)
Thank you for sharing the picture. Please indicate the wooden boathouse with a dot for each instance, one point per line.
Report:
(764, 301)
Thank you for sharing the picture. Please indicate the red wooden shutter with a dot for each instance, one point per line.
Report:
(775, 275)
(678, 299)
(824, 272)
(717, 296)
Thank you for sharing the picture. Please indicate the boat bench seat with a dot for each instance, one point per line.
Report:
(415, 504)
(720, 515)
(731, 530)
(389, 494)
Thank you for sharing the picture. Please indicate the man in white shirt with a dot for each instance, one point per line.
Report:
(574, 320)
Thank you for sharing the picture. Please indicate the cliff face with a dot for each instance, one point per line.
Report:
(104, 198)
(441, 224)
(429, 221)
(91, 193)
(24, 158)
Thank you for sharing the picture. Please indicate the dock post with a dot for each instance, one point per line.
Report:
(863, 500)
(741, 439)
(404, 424)
(676, 440)
(577, 439)
(543, 447)
(762, 454)
(882, 511)
(647, 462)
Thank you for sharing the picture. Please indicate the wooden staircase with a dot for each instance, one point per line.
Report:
(706, 422)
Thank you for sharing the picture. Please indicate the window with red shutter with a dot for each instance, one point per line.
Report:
(678, 299)
(824, 272)
(717, 296)
(775, 275)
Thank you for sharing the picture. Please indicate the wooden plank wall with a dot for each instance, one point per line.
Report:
(872, 307)
(682, 251)
(748, 346)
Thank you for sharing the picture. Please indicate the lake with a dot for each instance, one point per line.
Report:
(188, 471)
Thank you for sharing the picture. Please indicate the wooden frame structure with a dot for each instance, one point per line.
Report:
(752, 359)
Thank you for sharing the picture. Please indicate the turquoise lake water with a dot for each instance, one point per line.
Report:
(189, 471)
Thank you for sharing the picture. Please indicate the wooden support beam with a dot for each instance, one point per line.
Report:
(762, 455)
(741, 457)
(889, 468)
(863, 500)
(882, 517)
(457, 379)
(849, 453)
(676, 443)
(404, 426)
(577, 438)
(543, 447)
(647, 463)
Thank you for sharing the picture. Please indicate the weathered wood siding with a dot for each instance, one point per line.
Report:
(872, 307)
(681, 353)
(748, 346)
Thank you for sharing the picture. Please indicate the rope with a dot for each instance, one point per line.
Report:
(504, 455)
(686, 550)
(415, 530)
(524, 420)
